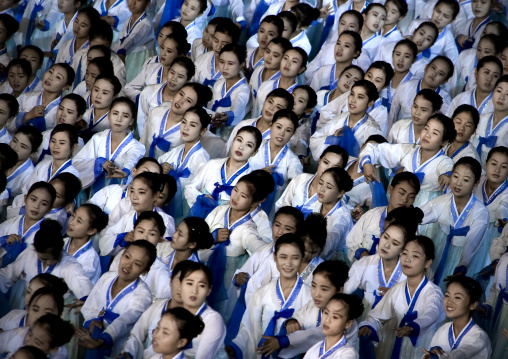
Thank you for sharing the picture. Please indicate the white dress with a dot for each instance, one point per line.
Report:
(150, 98)
(361, 236)
(489, 137)
(119, 11)
(43, 172)
(88, 258)
(29, 100)
(67, 51)
(445, 43)
(341, 350)
(235, 102)
(17, 179)
(155, 137)
(469, 98)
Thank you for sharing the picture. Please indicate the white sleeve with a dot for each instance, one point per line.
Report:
(383, 312)
(135, 38)
(317, 140)
(395, 108)
(193, 190)
(286, 199)
(250, 333)
(133, 88)
(11, 274)
(354, 238)
(356, 273)
(499, 245)
(212, 337)
(301, 341)
(139, 333)
(295, 167)
(251, 241)
(240, 105)
(474, 238)
(384, 154)
(107, 241)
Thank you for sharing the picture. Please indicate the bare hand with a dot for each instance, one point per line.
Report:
(109, 19)
(122, 57)
(325, 11)
(13, 238)
(461, 39)
(76, 305)
(443, 182)
(357, 213)
(239, 25)
(505, 333)
(230, 352)
(292, 326)
(305, 160)
(36, 111)
(369, 173)
(39, 24)
(269, 169)
(124, 355)
(501, 223)
(81, 124)
(95, 323)
(219, 118)
(222, 235)
(49, 54)
(241, 278)
(129, 237)
(364, 254)
(108, 166)
(338, 132)
(270, 345)
(382, 290)
(403, 331)
(166, 167)
(117, 173)
(86, 340)
(433, 351)
(364, 332)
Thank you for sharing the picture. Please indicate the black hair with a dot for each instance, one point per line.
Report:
(305, 14)
(204, 94)
(92, 14)
(282, 42)
(496, 40)
(60, 331)
(257, 187)
(101, 30)
(72, 132)
(10, 23)
(401, 6)
(78, 101)
(286, 113)
(448, 62)
(454, 5)
(98, 219)
(189, 325)
(406, 228)
(187, 64)
(499, 149)
(386, 68)
(303, 55)
(471, 110)
(104, 65)
(289, 16)
(501, 28)
(314, 228)
(23, 64)
(202, 6)
(49, 280)
(199, 232)
(356, 14)
(376, 138)
(432, 26)
(490, 59)
(354, 67)
(293, 212)
(151, 252)
(372, 6)
(449, 133)
(472, 164)
(408, 177)
(409, 217)
(71, 183)
(204, 117)
(144, 160)
(275, 21)
(32, 352)
(152, 180)
(354, 304)
(335, 271)
(191, 267)
(176, 28)
(3, 181)
(48, 239)
(52, 292)
(412, 46)
(68, 69)
(33, 134)
(311, 94)
(292, 239)
(341, 177)
(433, 97)
(113, 80)
(228, 27)
(502, 79)
(170, 181)
(179, 267)
(43, 185)
(106, 52)
(258, 137)
(337, 150)
(472, 287)
(239, 51)
(427, 245)
(284, 94)
(37, 49)
(154, 217)
(370, 88)
(126, 101)
(8, 157)
(182, 46)
(217, 20)
(356, 37)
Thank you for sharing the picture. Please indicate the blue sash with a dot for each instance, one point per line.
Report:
(454, 344)
(15, 249)
(225, 100)
(48, 270)
(227, 184)
(347, 139)
(25, 166)
(329, 352)
(379, 198)
(215, 75)
(278, 177)
(169, 13)
(40, 122)
(418, 170)
(38, 7)
(332, 83)
(501, 297)
(381, 278)
(490, 138)
(62, 168)
(256, 18)
(488, 200)
(308, 203)
(107, 313)
(411, 134)
(330, 19)
(236, 316)
(375, 240)
(159, 141)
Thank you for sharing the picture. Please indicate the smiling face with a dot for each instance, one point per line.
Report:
(60, 146)
(241, 197)
(55, 79)
(348, 22)
(184, 99)
(166, 336)
(497, 168)
(413, 259)
(147, 230)
(421, 110)
(190, 127)
(457, 302)
(322, 290)
(281, 131)
(266, 33)
(288, 260)
(81, 26)
(464, 125)
(229, 65)
(21, 144)
(375, 19)
(424, 37)
(391, 243)
(37, 204)
(120, 117)
(67, 112)
(377, 77)
(79, 225)
(141, 196)
(194, 289)
(133, 263)
(335, 318)
(348, 79)
(431, 137)
(18, 79)
(243, 146)
(328, 192)
(282, 224)
(272, 105)
(442, 15)
(345, 49)
(358, 101)
(500, 97)
(42, 305)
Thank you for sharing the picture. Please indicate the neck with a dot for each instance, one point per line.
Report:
(174, 118)
(480, 95)
(424, 85)
(269, 72)
(390, 264)
(99, 112)
(236, 214)
(77, 243)
(58, 163)
(417, 129)
(491, 187)
(460, 323)
(388, 27)
(461, 202)
(366, 33)
(354, 118)
(80, 42)
(233, 164)
(340, 66)
(48, 97)
(327, 207)
(414, 281)
(499, 115)
(288, 282)
(286, 82)
(274, 148)
(68, 17)
(331, 340)
(119, 136)
(135, 17)
(166, 92)
(181, 256)
(398, 77)
(233, 80)
(170, 356)
(426, 154)
(478, 20)
(189, 145)
(358, 5)
(121, 283)
(263, 124)
(185, 23)
(29, 222)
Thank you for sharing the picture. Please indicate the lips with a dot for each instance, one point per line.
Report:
(238, 153)
(233, 203)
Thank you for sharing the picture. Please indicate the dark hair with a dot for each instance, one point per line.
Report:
(335, 271)
(204, 93)
(33, 134)
(71, 183)
(92, 14)
(314, 228)
(239, 51)
(152, 180)
(68, 69)
(488, 60)
(496, 40)
(412, 46)
(369, 87)
(37, 49)
(302, 53)
(449, 128)
(275, 21)
(404, 227)
(293, 212)
(101, 30)
(154, 217)
(3, 181)
(356, 14)
(151, 252)
(499, 149)
(10, 23)
(60, 331)
(432, 26)
(32, 352)
(182, 46)
(372, 6)
(341, 177)
(113, 80)
(24, 64)
(98, 219)
(282, 42)
(376, 138)
(191, 267)
(472, 164)
(49, 280)
(257, 187)
(503, 78)
(354, 304)
(170, 181)
(46, 186)
(305, 14)
(52, 292)
(78, 101)
(126, 101)
(105, 51)
(144, 160)
(179, 267)
(409, 217)
(503, 31)
(356, 37)
(338, 151)
(408, 177)
(187, 64)
(427, 245)
(311, 94)
(289, 16)
(454, 5)
(48, 239)
(254, 132)
(104, 65)
(386, 68)
(353, 67)
(448, 62)
(199, 232)
(204, 117)
(8, 157)
(176, 28)
(202, 6)
(473, 112)
(227, 27)
(282, 93)
(189, 325)
(401, 5)
(286, 113)
(72, 132)
(433, 97)
(292, 239)
(472, 287)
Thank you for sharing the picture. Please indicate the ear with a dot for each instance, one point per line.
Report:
(192, 245)
(53, 350)
(357, 54)
(473, 306)
(181, 343)
(341, 194)
(349, 323)
(91, 232)
(428, 263)
(389, 190)
(74, 147)
(341, 290)
(371, 103)
(302, 69)
(134, 170)
(308, 111)
(475, 73)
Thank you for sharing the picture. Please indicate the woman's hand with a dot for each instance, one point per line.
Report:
(222, 235)
(403, 331)
(364, 332)
(86, 340)
(269, 169)
(76, 305)
(443, 182)
(325, 11)
(433, 351)
(241, 278)
(13, 238)
(117, 173)
(369, 172)
(36, 111)
(270, 345)
(109, 19)
(357, 213)
(166, 167)
(129, 237)
(292, 326)
(219, 118)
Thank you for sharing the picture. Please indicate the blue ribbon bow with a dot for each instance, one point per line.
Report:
(224, 102)
(489, 141)
(159, 142)
(210, 83)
